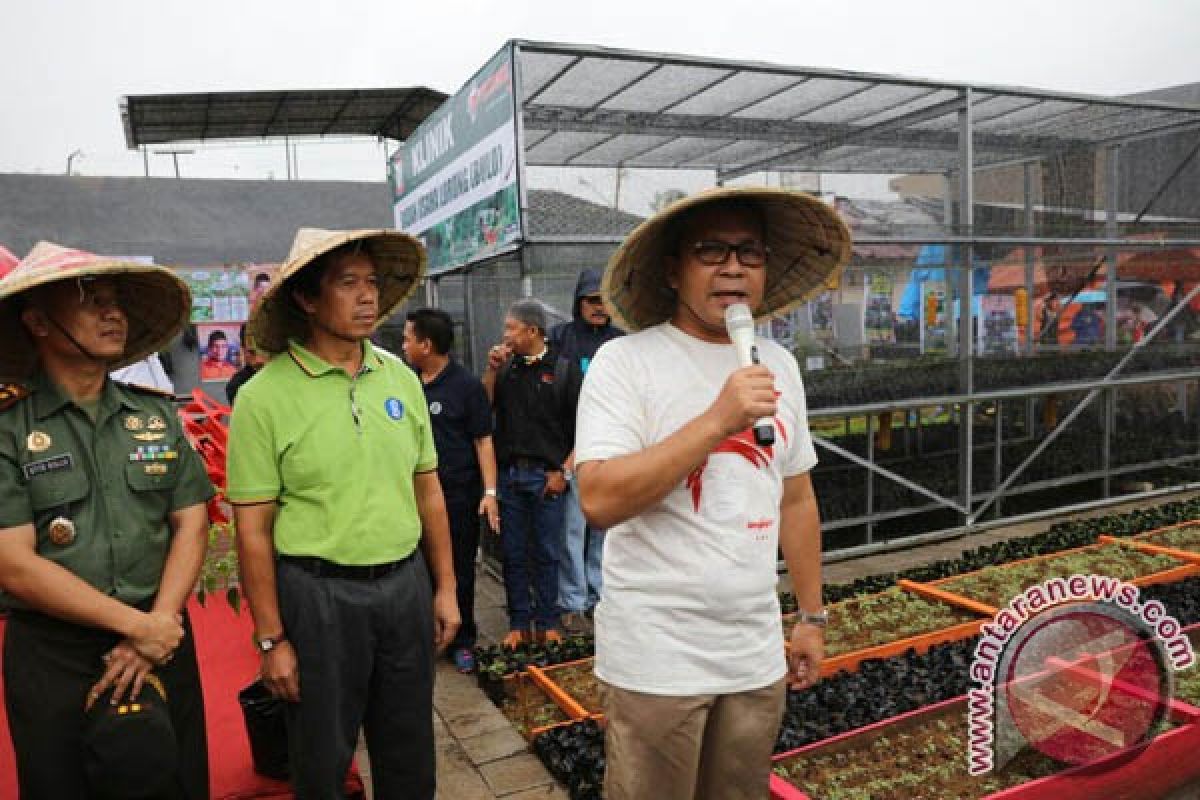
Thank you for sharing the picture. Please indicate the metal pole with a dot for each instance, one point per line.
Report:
(1111, 202)
(1030, 260)
(469, 320)
(175, 158)
(998, 454)
(146, 160)
(966, 348)
(948, 202)
(870, 511)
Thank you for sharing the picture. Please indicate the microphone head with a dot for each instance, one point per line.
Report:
(738, 317)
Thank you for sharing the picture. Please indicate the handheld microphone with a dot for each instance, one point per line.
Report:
(740, 325)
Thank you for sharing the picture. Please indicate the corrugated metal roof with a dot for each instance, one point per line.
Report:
(393, 113)
(594, 106)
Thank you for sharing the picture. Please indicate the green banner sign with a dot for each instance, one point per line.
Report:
(454, 182)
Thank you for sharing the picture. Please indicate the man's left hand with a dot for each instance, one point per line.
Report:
(126, 669)
(490, 510)
(804, 659)
(556, 483)
(446, 619)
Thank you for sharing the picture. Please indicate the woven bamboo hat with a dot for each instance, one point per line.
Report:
(809, 244)
(398, 258)
(156, 302)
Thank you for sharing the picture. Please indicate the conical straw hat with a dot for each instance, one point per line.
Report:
(398, 257)
(809, 244)
(156, 302)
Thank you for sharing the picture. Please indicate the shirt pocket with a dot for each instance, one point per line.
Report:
(151, 485)
(152, 476)
(59, 489)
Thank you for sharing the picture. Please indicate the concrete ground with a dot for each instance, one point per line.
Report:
(480, 756)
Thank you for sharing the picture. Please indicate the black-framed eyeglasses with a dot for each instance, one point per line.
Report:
(714, 252)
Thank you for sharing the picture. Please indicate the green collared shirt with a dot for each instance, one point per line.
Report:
(98, 493)
(336, 452)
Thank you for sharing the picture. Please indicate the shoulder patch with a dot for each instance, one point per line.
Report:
(11, 394)
(150, 390)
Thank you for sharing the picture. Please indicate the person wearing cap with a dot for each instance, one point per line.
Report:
(534, 395)
(103, 526)
(341, 520)
(689, 647)
(577, 341)
(462, 432)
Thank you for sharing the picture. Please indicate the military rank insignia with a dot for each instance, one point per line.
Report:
(10, 394)
(154, 452)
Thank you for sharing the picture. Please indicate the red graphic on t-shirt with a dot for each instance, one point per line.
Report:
(742, 444)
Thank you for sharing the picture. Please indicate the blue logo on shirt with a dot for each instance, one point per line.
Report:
(394, 408)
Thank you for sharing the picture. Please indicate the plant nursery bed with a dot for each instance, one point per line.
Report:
(529, 707)
(1180, 541)
(994, 587)
(1187, 682)
(577, 680)
(885, 624)
(923, 756)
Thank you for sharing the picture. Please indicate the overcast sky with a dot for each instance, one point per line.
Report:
(68, 63)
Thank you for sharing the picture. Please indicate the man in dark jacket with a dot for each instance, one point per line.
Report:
(577, 341)
(534, 394)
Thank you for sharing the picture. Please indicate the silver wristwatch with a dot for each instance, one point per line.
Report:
(818, 618)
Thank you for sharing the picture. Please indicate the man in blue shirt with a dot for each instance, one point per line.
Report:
(579, 571)
(462, 435)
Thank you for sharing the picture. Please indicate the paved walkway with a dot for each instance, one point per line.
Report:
(480, 755)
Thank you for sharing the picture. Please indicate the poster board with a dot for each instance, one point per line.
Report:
(222, 299)
(997, 329)
(935, 334)
(879, 322)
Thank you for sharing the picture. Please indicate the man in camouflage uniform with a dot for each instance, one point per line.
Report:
(103, 524)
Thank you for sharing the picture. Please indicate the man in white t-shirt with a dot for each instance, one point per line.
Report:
(689, 643)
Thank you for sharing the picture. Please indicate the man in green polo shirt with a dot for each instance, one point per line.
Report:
(103, 526)
(332, 472)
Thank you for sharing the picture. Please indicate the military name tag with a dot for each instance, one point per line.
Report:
(47, 465)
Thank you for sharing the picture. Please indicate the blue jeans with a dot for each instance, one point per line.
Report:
(531, 529)
(579, 573)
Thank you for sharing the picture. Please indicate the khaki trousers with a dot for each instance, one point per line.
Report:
(702, 747)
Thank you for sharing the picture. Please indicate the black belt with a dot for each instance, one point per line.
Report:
(521, 462)
(320, 568)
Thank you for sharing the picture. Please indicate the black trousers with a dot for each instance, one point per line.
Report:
(49, 665)
(366, 656)
(462, 510)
